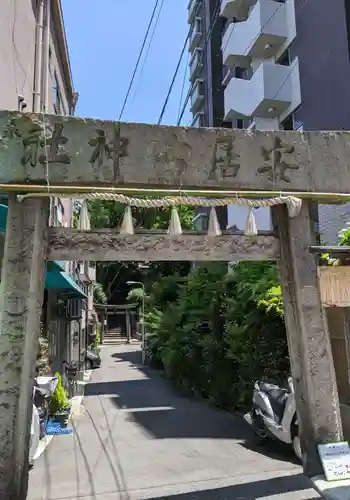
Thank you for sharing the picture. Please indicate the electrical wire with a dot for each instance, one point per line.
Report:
(259, 32)
(139, 58)
(147, 53)
(16, 52)
(183, 84)
(211, 27)
(253, 41)
(322, 61)
(173, 80)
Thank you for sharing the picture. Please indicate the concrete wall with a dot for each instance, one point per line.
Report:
(17, 29)
(17, 53)
(332, 219)
(322, 48)
(345, 416)
(2, 242)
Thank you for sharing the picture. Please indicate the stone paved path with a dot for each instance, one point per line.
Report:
(139, 439)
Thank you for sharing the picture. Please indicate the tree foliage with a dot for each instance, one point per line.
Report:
(216, 333)
(99, 294)
(114, 275)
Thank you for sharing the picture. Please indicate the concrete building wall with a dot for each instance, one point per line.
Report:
(2, 242)
(17, 32)
(17, 54)
(322, 48)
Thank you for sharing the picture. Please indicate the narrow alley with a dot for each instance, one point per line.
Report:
(137, 438)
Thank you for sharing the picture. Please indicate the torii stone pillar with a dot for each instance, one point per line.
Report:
(308, 337)
(23, 275)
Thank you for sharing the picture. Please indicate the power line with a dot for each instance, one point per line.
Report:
(257, 36)
(247, 48)
(211, 27)
(148, 51)
(139, 58)
(183, 85)
(173, 80)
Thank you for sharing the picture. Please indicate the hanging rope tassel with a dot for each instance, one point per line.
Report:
(250, 227)
(293, 205)
(127, 226)
(175, 228)
(213, 224)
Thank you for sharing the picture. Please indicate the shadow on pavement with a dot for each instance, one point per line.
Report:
(250, 491)
(154, 404)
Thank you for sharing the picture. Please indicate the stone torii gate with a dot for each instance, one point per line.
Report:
(71, 155)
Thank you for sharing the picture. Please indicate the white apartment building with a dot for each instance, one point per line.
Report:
(279, 68)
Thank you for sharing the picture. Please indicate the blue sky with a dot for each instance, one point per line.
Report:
(104, 39)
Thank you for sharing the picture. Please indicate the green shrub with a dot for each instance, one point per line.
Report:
(59, 401)
(216, 333)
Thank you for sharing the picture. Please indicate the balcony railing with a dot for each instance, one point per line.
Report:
(272, 89)
(196, 34)
(236, 9)
(196, 63)
(192, 9)
(197, 95)
(198, 120)
(260, 36)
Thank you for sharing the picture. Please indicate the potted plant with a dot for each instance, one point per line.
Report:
(60, 406)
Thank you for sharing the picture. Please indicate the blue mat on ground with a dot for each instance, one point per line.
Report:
(56, 428)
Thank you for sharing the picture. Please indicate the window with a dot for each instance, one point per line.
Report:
(285, 58)
(298, 124)
(287, 123)
(243, 73)
(197, 25)
(198, 120)
(56, 95)
(291, 122)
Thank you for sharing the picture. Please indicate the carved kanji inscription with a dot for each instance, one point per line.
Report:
(43, 146)
(226, 160)
(105, 149)
(277, 160)
(178, 155)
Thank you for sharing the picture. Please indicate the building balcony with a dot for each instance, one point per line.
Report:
(196, 34)
(260, 36)
(192, 9)
(196, 64)
(198, 120)
(272, 90)
(228, 74)
(197, 95)
(236, 9)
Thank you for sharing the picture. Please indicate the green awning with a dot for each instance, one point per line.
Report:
(3, 217)
(56, 279)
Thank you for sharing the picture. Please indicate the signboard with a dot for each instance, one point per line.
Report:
(335, 458)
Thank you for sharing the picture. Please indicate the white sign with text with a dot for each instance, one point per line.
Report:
(335, 458)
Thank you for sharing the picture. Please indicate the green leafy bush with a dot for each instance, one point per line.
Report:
(215, 333)
(99, 294)
(59, 402)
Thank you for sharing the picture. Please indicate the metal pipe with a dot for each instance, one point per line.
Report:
(38, 57)
(82, 190)
(143, 331)
(46, 58)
